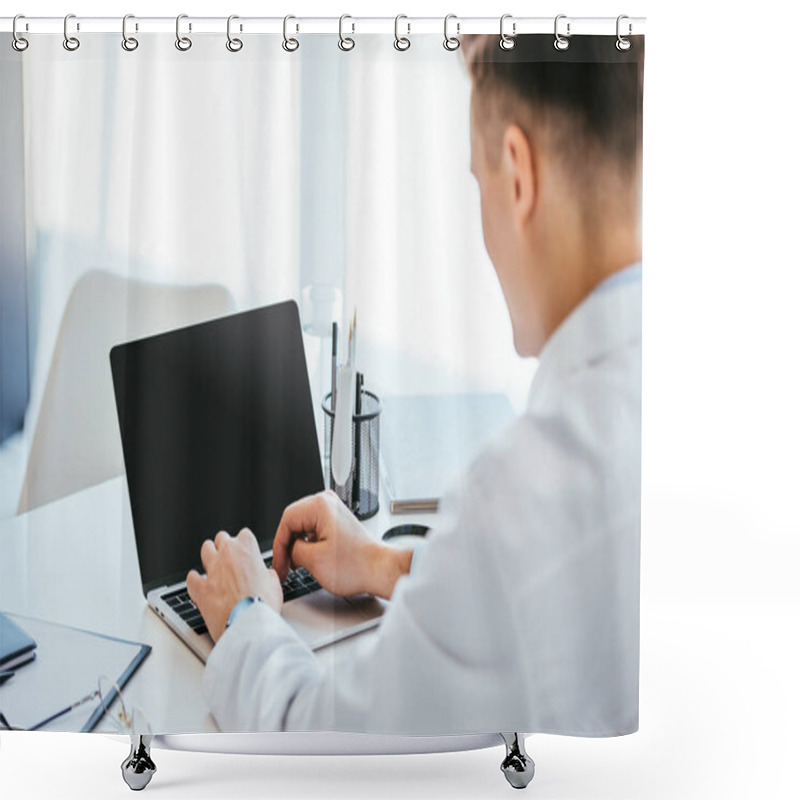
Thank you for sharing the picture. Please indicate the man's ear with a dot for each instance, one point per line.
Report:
(519, 163)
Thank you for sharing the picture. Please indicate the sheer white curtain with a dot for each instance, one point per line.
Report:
(416, 263)
(166, 166)
(187, 168)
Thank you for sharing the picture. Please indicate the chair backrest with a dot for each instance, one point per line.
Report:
(77, 442)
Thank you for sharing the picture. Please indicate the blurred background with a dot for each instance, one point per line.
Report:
(146, 194)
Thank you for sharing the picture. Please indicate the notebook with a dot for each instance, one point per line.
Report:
(427, 441)
(16, 646)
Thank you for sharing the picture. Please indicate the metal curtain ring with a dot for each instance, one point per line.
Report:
(289, 44)
(346, 42)
(623, 44)
(451, 42)
(234, 45)
(401, 42)
(561, 42)
(507, 42)
(128, 42)
(70, 42)
(18, 42)
(183, 43)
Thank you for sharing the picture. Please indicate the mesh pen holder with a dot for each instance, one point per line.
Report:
(360, 491)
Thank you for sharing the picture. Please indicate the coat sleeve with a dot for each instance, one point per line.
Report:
(429, 669)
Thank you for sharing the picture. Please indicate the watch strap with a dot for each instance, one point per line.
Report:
(244, 603)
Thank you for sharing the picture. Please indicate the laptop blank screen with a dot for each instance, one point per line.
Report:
(218, 433)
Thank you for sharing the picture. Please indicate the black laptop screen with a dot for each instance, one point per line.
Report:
(218, 433)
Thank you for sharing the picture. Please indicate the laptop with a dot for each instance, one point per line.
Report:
(218, 433)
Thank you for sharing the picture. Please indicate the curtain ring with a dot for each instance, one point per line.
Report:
(289, 44)
(129, 43)
(234, 45)
(346, 42)
(70, 42)
(623, 44)
(183, 43)
(561, 42)
(507, 42)
(401, 43)
(451, 42)
(18, 42)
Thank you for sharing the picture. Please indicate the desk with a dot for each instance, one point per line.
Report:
(74, 562)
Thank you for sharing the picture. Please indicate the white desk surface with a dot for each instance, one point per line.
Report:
(74, 562)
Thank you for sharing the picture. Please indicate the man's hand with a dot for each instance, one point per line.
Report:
(321, 534)
(234, 569)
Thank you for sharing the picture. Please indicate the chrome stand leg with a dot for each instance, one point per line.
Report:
(517, 766)
(138, 767)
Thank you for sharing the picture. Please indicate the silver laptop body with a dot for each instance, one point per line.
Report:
(320, 618)
(218, 433)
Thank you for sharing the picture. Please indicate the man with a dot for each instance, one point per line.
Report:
(523, 611)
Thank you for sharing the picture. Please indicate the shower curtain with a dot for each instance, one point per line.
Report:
(468, 216)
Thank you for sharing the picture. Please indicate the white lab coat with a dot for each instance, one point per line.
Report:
(522, 613)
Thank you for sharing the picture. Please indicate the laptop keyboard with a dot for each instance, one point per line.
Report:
(298, 582)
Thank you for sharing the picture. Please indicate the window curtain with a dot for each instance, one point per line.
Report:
(269, 173)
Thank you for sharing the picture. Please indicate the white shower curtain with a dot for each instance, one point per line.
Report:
(165, 188)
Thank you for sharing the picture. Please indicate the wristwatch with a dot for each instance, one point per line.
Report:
(244, 603)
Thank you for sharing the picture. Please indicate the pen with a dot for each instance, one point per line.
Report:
(342, 439)
(357, 456)
(355, 332)
(4, 676)
(334, 345)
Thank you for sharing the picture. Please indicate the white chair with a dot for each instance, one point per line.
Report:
(76, 442)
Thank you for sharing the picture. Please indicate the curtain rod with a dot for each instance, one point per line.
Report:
(331, 25)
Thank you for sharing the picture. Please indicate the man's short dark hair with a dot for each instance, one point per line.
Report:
(590, 95)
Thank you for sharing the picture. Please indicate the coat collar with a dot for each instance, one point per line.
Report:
(606, 320)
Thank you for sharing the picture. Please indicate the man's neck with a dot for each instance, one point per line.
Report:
(579, 267)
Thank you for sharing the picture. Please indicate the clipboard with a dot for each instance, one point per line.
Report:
(68, 665)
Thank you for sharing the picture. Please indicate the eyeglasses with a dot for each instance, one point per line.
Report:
(126, 723)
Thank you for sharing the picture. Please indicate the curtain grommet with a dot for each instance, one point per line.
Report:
(561, 43)
(183, 43)
(129, 43)
(401, 43)
(71, 43)
(289, 44)
(507, 42)
(346, 43)
(19, 43)
(233, 44)
(451, 43)
(623, 44)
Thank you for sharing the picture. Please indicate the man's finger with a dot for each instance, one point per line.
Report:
(305, 554)
(248, 538)
(302, 515)
(220, 538)
(196, 586)
(208, 554)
